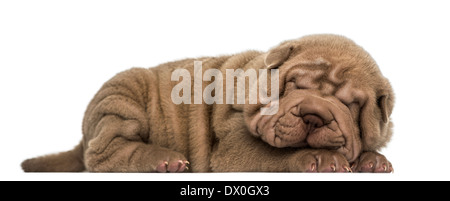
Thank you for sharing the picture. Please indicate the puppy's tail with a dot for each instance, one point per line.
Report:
(69, 161)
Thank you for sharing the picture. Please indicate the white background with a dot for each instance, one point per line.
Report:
(55, 55)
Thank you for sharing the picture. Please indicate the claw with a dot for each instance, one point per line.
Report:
(333, 167)
(385, 167)
(187, 162)
(167, 163)
(353, 167)
(313, 167)
(347, 169)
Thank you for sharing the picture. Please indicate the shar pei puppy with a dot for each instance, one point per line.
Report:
(332, 115)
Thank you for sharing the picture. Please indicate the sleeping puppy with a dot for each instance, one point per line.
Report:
(332, 115)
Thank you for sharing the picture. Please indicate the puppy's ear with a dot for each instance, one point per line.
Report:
(382, 102)
(278, 55)
(376, 127)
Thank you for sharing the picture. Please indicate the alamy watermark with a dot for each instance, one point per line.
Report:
(258, 88)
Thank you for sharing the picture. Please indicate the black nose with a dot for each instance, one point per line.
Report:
(313, 120)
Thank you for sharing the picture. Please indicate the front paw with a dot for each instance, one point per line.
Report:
(318, 160)
(372, 162)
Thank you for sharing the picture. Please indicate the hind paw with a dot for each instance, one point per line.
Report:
(173, 166)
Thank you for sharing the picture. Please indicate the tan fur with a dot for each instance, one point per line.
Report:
(131, 125)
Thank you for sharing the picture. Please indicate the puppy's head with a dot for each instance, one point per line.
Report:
(332, 95)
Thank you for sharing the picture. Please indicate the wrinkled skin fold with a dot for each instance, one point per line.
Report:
(305, 119)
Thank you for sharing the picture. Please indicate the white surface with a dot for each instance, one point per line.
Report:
(54, 56)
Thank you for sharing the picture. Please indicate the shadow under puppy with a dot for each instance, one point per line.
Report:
(333, 116)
